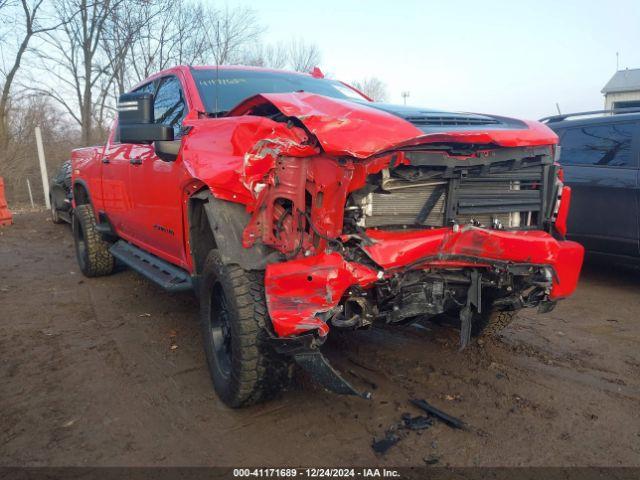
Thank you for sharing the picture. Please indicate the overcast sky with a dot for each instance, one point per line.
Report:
(514, 57)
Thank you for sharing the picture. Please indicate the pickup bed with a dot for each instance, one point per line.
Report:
(292, 205)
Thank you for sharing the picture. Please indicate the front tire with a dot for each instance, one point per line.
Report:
(233, 317)
(92, 251)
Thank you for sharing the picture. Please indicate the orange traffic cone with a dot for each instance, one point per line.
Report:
(5, 214)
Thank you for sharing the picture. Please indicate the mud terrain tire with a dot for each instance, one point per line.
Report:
(92, 251)
(233, 319)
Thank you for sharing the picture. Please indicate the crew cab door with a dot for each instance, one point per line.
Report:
(116, 194)
(155, 185)
(600, 162)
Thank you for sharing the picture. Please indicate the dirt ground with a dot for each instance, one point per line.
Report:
(88, 376)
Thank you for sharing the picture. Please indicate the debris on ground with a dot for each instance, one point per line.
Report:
(420, 422)
(389, 440)
(446, 418)
(398, 431)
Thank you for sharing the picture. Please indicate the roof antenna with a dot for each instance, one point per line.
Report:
(558, 108)
(617, 61)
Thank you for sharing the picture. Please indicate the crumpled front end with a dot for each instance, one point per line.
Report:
(413, 274)
(407, 227)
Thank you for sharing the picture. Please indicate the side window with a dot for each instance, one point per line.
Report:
(148, 88)
(169, 107)
(599, 145)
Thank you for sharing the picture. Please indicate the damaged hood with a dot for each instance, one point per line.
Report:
(438, 121)
(361, 130)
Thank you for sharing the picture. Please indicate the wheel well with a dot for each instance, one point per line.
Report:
(200, 233)
(80, 194)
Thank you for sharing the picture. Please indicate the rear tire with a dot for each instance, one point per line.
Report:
(233, 317)
(92, 251)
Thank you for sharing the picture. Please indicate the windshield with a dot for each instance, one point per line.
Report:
(235, 86)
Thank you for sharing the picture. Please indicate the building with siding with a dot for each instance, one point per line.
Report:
(623, 90)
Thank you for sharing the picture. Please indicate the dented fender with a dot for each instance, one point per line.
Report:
(299, 291)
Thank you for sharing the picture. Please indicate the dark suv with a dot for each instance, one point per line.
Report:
(600, 156)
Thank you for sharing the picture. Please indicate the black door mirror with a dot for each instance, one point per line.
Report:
(135, 120)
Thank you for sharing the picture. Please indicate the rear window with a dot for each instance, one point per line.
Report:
(599, 145)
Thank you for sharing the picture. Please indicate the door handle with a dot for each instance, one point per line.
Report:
(105, 160)
(135, 161)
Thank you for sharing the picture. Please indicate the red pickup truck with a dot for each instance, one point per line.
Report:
(293, 204)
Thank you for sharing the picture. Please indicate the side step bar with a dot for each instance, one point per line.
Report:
(167, 276)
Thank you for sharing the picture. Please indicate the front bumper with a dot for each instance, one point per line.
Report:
(303, 293)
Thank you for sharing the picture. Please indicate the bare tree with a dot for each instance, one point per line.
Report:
(373, 88)
(25, 25)
(72, 55)
(266, 55)
(228, 31)
(126, 24)
(295, 55)
(189, 33)
(19, 162)
(303, 56)
(5, 17)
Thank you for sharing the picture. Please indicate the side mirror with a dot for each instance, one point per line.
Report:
(135, 120)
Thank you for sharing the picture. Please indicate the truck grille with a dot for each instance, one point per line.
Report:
(499, 195)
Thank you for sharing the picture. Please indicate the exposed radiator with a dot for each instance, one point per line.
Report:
(401, 207)
(509, 199)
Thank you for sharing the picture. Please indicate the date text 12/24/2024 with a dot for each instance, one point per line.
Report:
(315, 473)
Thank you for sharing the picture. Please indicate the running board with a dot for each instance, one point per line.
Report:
(167, 276)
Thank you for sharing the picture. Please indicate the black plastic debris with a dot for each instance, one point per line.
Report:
(416, 423)
(439, 414)
(389, 440)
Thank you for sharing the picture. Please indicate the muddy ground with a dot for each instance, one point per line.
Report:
(88, 376)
